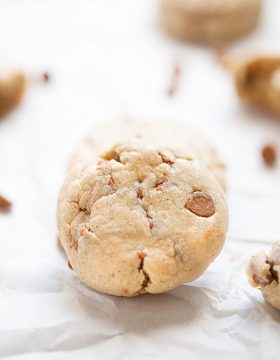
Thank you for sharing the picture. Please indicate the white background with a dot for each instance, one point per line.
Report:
(110, 58)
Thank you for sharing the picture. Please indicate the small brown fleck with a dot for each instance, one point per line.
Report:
(273, 273)
(69, 265)
(166, 159)
(190, 158)
(150, 221)
(140, 193)
(201, 204)
(5, 204)
(175, 77)
(46, 77)
(161, 181)
(269, 155)
(111, 181)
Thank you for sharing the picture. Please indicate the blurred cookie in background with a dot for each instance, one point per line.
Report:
(12, 86)
(257, 81)
(209, 21)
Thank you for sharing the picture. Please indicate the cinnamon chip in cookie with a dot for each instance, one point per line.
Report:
(201, 204)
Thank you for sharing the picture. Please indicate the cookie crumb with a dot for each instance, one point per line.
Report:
(175, 78)
(269, 155)
(46, 76)
(5, 204)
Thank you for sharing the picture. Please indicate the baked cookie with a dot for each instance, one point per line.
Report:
(11, 90)
(139, 211)
(257, 81)
(208, 21)
(264, 273)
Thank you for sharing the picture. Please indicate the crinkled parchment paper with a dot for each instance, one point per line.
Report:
(109, 57)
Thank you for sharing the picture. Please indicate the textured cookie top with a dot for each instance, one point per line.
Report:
(140, 218)
(182, 140)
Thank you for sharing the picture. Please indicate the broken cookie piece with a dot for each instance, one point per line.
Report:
(264, 273)
(11, 91)
(131, 207)
(257, 81)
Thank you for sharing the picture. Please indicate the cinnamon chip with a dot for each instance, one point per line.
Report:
(269, 155)
(201, 204)
(69, 265)
(5, 204)
(46, 77)
(111, 155)
(140, 193)
(166, 159)
(142, 255)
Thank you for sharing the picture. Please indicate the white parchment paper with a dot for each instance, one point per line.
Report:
(109, 58)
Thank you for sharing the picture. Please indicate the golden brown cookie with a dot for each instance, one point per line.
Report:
(209, 21)
(139, 210)
(257, 81)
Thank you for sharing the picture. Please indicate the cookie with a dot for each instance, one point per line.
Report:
(11, 90)
(264, 273)
(142, 208)
(208, 21)
(257, 81)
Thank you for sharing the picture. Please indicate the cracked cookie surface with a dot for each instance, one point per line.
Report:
(127, 217)
(264, 273)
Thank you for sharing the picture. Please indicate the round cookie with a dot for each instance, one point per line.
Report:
(139, 211)
(257, 81)
(208, 21)
(264, 273)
